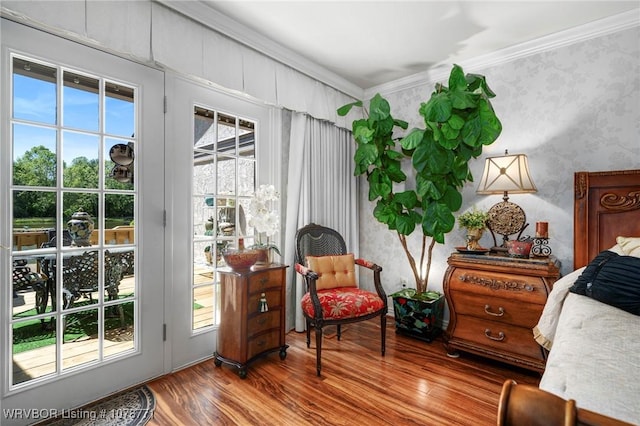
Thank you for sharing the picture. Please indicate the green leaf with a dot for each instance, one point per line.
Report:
(379, 108)
(464, 100)
(379, 185)
(429, 189)
(456, 122)
(477, 81)
(384, 129)
(437, 108)
(452, 199)
(457, 80)
(365, 155)
(413, 139)
(384, 214)
(450, 134)
(437, 221)
(405, 224)
(431, 158)
(393, 169)
(471, 130)
(344, 109)
(362, 133)
(409, 199)
(491, 126)
(394, 154)
(401, 123)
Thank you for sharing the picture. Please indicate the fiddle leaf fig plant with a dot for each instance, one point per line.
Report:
(458, 121)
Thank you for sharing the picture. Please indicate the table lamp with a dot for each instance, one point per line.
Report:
(503, 175)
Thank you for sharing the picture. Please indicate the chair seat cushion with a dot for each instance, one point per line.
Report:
(343, 302)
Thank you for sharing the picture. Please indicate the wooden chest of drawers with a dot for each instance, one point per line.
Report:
(494, 302)
(252, 315)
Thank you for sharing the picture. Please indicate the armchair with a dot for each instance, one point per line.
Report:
(333, 296)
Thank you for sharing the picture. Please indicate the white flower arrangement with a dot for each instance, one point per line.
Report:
(263, 216)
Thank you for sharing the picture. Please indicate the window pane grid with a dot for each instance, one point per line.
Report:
(223, 181)
(59, 170)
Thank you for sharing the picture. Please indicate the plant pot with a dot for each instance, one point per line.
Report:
(473, 238)
(421, 319)
(264, 257)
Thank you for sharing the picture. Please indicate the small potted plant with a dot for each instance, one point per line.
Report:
(474, 221)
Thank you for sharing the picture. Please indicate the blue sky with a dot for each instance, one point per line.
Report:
(35, 100)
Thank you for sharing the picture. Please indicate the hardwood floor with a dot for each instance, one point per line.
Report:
(415, 383)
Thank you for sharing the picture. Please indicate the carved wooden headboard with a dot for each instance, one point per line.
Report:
(606, 205)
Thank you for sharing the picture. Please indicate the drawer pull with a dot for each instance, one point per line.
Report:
(261, 343)
(500, 337)
(498, 314)
(262, 320)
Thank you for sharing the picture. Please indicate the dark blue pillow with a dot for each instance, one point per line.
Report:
(612, 279)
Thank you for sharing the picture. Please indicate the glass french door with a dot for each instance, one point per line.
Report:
(82, 230)
(219, 139)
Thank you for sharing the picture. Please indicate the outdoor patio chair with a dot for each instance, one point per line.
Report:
(80, 278)
(333, 296)
(24, 278)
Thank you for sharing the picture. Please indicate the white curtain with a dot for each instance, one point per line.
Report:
(321, 189)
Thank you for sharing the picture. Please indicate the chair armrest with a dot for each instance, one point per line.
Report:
(305, 272)
(376, 276)
(369, 265)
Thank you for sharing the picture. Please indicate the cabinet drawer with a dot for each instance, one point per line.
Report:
(509, 286)
(265, 280)
(273, 300)
(498, 336)
(263, 342)
(506, 311)
(263, 321)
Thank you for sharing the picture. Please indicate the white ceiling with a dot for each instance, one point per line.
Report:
(369, 43)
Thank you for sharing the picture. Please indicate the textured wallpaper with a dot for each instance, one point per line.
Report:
(569, 109)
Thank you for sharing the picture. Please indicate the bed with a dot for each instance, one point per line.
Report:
(593, 364)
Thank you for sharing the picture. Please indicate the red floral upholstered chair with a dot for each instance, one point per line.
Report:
(333, 296)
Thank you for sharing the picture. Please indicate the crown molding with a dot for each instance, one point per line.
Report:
(211, 18)
(599, 28)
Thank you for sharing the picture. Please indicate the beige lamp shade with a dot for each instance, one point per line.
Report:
(507, 173)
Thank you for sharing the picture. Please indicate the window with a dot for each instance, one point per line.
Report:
(224, 180)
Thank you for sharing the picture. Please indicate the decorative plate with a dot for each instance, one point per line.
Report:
(506, 218)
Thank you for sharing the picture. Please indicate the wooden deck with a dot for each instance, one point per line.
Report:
(42, 361)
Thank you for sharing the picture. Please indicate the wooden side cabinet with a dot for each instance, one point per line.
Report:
(252, 315)
(494, 303)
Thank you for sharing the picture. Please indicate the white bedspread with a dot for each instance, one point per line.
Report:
(594, 357)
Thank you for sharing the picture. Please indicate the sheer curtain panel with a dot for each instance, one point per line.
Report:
(321, 189)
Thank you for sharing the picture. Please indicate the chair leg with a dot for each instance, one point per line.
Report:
(339, 331)
(383, 332)
(318, 349)
(308, 333)
(42, 298)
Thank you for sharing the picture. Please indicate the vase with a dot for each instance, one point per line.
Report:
(473, 238)
(420, 319)
(266, 256)
(80, 228)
